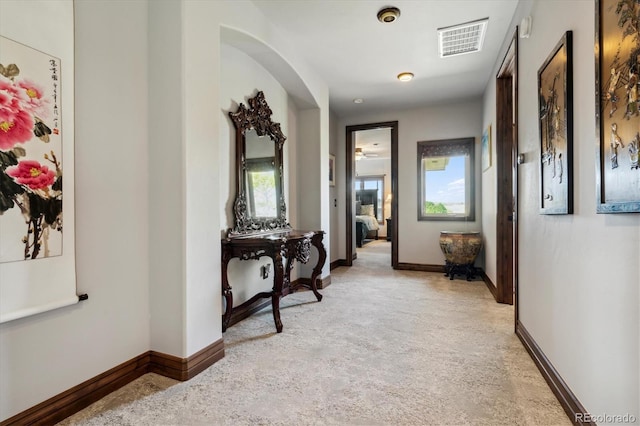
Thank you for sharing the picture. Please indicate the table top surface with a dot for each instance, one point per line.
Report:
(273, 236)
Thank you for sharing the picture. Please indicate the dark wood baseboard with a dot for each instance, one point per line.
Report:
(420, 267)
(256, 306)
(260, 304)
(184, 369)
(320, 282)
(324, 282)
(78, 397)
(337, 263)
(492, 288)
(69, 402)
(577, 414)
(429, 268)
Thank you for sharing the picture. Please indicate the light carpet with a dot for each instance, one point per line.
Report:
(384, 347)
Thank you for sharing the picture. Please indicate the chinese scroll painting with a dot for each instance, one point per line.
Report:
(30, 154)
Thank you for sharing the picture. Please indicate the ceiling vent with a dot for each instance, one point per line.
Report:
(463, 38)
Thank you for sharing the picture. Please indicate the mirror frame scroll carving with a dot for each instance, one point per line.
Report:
(257, 117)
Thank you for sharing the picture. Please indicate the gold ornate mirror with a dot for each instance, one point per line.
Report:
(259, 206)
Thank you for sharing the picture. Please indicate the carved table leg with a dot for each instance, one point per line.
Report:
(275, 304)
(226, 290)
(316, 240)
(278, 281)
(286, 283)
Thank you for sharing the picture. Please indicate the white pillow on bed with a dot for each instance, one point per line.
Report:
(367, 210)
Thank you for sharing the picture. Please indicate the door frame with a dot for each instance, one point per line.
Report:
(507, 177)
(350, 172)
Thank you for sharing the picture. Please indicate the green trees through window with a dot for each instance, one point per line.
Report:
(432, 208)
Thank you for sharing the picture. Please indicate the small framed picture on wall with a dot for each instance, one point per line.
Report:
(332, 170)
(486, 149)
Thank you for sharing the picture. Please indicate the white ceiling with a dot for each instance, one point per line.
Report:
(375, 143)
(359, 57)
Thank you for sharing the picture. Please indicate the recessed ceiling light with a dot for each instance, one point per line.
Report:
(358, 100)
(405, 76)
(388, 15)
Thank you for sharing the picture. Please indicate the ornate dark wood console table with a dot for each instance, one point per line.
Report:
(290, 245)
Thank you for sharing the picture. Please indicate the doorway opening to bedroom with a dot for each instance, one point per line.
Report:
(372, 190)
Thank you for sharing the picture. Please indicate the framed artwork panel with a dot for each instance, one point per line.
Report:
(617, 58)
(332, 170)
(555, 107)
(486, 149)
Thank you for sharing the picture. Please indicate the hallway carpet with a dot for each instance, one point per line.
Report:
(384, 347)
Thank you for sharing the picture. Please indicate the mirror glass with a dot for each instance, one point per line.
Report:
(259, 207)
(260, 175)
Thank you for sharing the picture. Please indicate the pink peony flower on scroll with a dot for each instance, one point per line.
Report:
(32, 97)
(32, 174)
(16, 112)
(15, 127)
(11, 96)
(27, 182)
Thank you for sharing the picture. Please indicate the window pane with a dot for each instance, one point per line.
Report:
(373, 183)
(263, 185)
(445, 186)
(370, 184)
(445, 179)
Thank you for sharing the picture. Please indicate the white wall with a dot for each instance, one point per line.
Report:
(148, 183)
(291, 172)
(166, 173)
(46, 354)
(418, 240)
(578, 277)
(313, 180)
(335, 202)
(489, 182)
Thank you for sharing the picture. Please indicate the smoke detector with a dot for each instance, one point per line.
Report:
(388, 15)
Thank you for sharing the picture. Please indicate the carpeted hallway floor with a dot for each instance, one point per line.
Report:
(384, 347)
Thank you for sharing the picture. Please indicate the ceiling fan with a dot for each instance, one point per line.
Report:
(360, 154)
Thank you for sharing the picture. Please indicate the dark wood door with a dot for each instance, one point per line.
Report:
(507, 184)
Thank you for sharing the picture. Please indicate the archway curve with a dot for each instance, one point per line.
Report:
(310, 95)
(273, 62)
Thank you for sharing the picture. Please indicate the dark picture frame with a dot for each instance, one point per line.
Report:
(332, 170)
(555, 107)
(486, 149)
(617, 59)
